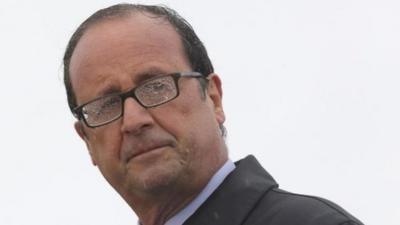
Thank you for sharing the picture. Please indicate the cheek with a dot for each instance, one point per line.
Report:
(190, 119)
(107, 154)
(177, 117)
(105, 145)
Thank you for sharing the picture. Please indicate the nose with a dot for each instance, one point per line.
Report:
(135, 118)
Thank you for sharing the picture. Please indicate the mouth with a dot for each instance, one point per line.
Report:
(146, 149)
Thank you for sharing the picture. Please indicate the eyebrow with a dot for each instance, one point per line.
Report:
(110, 89)
(147, 74)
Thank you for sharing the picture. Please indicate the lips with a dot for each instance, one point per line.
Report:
(136, 150)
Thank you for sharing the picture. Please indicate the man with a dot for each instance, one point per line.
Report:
(149, 109)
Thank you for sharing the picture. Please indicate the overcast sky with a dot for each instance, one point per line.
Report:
(311, 88)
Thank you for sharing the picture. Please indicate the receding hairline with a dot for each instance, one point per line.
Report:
(128, 14)
(194, 49)
(125, 15)
(129, 20)
(157, 19)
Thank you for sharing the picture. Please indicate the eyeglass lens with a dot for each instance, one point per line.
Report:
(151, 93)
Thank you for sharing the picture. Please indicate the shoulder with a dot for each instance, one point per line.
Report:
(250, 196)
(281, 207)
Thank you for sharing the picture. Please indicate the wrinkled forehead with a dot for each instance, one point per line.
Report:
(124, 45)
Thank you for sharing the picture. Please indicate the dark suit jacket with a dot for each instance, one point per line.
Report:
(250, 196)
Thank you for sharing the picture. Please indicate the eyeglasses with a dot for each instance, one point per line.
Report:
(151, 93)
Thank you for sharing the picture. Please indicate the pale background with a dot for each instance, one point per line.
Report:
(311, 88)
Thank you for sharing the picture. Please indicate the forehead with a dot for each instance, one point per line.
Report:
(113, 52)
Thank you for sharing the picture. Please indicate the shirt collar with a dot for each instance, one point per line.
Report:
(215, 181)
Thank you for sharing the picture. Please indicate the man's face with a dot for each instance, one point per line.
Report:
(147, 150)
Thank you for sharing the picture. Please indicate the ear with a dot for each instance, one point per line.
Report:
(79, 128)
(214, 91)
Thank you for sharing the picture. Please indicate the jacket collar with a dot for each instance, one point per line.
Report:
(235, 198)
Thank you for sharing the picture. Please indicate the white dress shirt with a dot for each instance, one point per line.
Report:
(216, 180)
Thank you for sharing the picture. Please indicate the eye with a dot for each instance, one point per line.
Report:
(101, 106)
(156, 91)
(110, 103)
(107, 105)
(158, 86)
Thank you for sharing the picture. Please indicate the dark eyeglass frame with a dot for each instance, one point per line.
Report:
(78, 114)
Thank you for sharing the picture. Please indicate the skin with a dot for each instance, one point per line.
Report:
(157, 159)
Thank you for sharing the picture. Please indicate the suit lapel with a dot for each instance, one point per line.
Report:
(235, 198)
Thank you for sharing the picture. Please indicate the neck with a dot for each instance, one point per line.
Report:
(155, 207)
